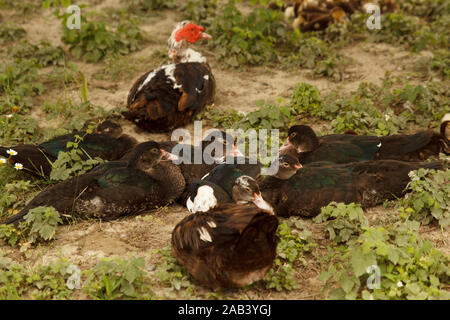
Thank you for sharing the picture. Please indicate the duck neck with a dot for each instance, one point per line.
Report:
(170, 177)
(187, 55)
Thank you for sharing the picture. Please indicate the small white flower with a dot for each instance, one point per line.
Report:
(18, 166)
(2, 160)
(9, 115)
(11, 152)
(399, 284)
(387, 117)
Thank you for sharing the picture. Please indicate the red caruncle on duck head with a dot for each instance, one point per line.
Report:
(191, 33)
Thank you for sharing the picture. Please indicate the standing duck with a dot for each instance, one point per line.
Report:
(107, 143)
(342, 148)
(230, 246)
(303, 192)
(170, 96)
(114, 189)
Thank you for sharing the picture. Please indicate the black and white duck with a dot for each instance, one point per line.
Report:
(171, 95)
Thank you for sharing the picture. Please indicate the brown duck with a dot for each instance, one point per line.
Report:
(232, 245)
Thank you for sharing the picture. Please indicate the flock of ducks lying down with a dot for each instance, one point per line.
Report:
(315, 15)
(228, 239)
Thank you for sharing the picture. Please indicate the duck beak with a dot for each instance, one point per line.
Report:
(287, 145)
(166, 156)
(298, 166)
(235, 152)
(205, 35)
(262, 204)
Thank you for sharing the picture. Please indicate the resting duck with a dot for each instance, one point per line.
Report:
(220, 185)
(315, 20)
(114, 189)
(230, 246)
(107, 143)
(343, 148)
(215, 141)
(313, 15)
(384, 5)
(170, 96)
(303, 192)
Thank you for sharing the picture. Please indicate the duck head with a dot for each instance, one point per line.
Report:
(338, 14)
(223, 141)
(185, 34)
(288, 165)
(109, 128)
(246, 190)
(301, 138)
(147, 155)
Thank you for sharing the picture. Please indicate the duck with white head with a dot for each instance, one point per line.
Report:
(171, 95)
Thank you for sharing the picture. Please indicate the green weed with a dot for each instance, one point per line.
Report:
(388, 263)
(95, 41)
(348, 220)
(429, 197)
(115, 278)
(295, 241)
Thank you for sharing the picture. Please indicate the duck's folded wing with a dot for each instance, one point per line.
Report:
(221, 228)
(197, 85)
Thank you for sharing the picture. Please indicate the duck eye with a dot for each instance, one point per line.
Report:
(293, 134)
(155, 150)
(285, 164)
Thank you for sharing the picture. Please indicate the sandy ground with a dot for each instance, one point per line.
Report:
(86, 242)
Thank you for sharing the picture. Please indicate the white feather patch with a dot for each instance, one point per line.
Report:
(147, 79)
(206, 77)
(289, 13)
(169, 70)
(212, 224)
(204, 234)
(190, 205)
(446, 118)
(204, 200)
(190, 55)
(379, 145)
